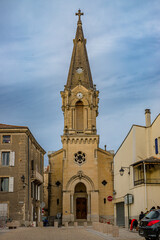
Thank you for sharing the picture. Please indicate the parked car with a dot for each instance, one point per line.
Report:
(149, 226)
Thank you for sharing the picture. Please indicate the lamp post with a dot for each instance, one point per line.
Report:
(121, 171)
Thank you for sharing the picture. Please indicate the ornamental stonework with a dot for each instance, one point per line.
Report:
(80, 158)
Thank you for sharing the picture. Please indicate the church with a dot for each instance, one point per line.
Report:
(81, 173)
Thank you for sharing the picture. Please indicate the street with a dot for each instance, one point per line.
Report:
(71, 233)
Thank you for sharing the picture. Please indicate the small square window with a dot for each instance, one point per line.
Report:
(5, 158)
(58, 183)
(104, 182)
(6, 139)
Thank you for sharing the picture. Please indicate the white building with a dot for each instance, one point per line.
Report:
(138, 157)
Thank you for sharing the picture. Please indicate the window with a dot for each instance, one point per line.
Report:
(6, 138)
(32, 189)
(32, 165)
(152, 215)
(79, 157)
(5, 158)
(104, 200)
(104, 182)
(4, 209)
(79, 116)
(57, 201)
(4, 184)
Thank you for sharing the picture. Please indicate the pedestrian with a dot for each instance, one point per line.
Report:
(141, 215)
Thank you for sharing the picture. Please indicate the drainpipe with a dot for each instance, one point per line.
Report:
(145, 185)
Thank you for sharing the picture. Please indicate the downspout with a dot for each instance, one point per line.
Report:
(145, 186)
(28, 179)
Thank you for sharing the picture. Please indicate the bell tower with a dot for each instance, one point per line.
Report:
(80, 140)
(80, 97)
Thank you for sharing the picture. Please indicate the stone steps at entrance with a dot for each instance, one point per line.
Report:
(80, 223)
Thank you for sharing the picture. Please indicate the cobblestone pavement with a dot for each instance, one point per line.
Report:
(71, 233)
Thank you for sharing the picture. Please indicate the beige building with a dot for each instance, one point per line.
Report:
(21, 174)
(138, 157)
(81, 174)
(45, 191)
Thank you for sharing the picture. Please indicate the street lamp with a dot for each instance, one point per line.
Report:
(121, 171)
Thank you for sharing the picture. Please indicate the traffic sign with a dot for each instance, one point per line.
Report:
(110, 198)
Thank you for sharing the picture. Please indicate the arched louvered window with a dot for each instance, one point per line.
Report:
(79, 116)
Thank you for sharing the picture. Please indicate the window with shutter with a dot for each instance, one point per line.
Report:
(5, 158)
(11, 184)
(4, 184)
(3, 209)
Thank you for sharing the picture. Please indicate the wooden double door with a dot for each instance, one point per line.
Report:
(81, 208)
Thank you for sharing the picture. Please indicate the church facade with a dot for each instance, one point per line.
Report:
(81, 173)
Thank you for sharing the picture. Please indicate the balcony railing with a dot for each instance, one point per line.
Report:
(36, 176)
(148, 181)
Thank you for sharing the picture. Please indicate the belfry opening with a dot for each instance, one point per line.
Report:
(79, 116)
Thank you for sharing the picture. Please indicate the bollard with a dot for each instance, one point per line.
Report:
(115, 232)
(101, 227)
(105, 228)
(85, 224)
(75, 224)
(110, 229)
(93, 224)
(66, 224)
(56, 224)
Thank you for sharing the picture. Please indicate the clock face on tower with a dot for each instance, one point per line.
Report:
(79, 70)
(79, 95)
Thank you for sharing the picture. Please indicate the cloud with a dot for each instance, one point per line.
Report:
(36, 47)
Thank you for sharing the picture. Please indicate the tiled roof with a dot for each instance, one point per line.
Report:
(150, 160)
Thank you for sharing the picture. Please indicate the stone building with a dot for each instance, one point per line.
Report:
(137, 171)
(21, 174)
(45, 191)
(81, 174)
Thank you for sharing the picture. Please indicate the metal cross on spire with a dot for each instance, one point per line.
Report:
(79, 15)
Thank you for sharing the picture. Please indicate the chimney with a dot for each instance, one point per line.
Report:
(148, 117)
(105, 147)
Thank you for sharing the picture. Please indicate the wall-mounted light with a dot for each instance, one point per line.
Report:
(121, 171)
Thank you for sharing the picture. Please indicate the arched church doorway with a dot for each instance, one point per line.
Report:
(80, 201)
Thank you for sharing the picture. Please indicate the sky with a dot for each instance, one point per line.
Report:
(36, 42)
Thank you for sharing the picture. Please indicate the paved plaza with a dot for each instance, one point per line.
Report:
(71, 233)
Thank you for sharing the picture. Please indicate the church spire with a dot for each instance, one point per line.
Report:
(79, 71)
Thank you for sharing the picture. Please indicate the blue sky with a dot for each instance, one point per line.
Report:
(123, 44)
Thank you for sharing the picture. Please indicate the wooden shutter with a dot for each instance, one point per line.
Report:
(39, 192)
(156, 146)
(11, 184)
(12, 158)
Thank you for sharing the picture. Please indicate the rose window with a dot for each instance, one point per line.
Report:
(79, 157)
